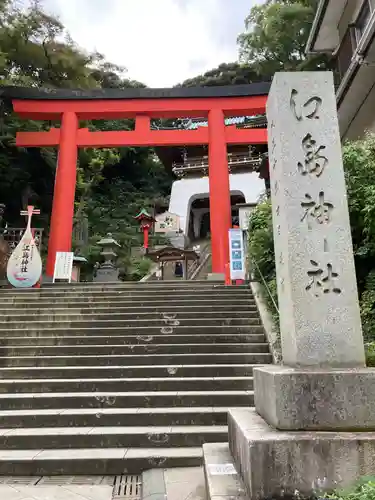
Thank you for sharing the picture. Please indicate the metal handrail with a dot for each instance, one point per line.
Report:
(196, 264)
(266, 286)
(200, 267)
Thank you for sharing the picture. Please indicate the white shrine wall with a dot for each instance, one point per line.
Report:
(185, 191)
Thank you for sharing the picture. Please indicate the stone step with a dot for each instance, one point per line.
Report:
(102, 340)
(118, 302)
(108, 372)
(96, 310)
(149, 289)
(48, 438)
(94, 417)
(133, 330)
(134, 314)
(105, 461)
(140, 359)
(106, 286)
(222, 478)
(83, 350)
(169, 383)
(223, 320)
(154, 399)
(148, 297)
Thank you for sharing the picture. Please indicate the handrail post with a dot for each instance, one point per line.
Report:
(228, 281)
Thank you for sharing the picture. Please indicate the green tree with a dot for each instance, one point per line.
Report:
(225, 74)
(275, 38)
(360, 179)
(112, 184)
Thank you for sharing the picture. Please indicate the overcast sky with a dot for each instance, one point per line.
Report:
(160, 42)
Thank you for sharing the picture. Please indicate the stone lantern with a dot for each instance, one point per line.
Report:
(108, 271)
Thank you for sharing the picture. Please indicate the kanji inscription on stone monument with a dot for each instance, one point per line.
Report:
(317, 289)
(318, 210)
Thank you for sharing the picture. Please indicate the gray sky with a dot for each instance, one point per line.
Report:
(160, 42)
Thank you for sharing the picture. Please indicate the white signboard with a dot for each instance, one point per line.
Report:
(221, 469)
(167, 223)
(63, 266)
(244, 216)
(237, 255)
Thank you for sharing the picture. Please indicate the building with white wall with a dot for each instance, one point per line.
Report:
(245, 186)
(189, 200)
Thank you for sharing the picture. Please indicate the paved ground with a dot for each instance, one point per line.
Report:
(68, 492)
(185, 484)
(180, 484)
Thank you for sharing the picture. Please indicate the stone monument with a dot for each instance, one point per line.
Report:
(314, 424)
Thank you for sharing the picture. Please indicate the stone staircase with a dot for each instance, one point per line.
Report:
(120, 378)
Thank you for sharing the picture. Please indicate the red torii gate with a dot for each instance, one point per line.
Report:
(70, 106)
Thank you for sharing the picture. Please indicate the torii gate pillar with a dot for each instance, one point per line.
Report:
(61, 227)
(220, 208)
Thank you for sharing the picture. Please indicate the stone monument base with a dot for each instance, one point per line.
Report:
(275, 463)
(317, 399)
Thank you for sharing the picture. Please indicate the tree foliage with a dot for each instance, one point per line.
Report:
(112, 184)
(225, 74)
(275, 37)
(359, 161)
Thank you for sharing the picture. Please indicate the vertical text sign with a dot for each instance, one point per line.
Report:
(63, 266)
(319, 312)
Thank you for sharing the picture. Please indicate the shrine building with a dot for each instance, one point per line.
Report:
(248, 177)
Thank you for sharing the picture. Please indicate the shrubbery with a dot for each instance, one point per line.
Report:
(364, 489)
(261, 253)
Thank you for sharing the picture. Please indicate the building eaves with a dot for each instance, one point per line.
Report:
(319, 16)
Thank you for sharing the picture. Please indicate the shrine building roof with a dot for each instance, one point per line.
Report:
(172, 254)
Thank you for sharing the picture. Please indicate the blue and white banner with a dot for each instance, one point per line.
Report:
(236, 255)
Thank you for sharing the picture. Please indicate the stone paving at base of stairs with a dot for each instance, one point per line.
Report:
(186, 483)
(66, 492)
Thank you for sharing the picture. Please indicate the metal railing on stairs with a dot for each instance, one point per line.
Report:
(264, 282)
(196, 267)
